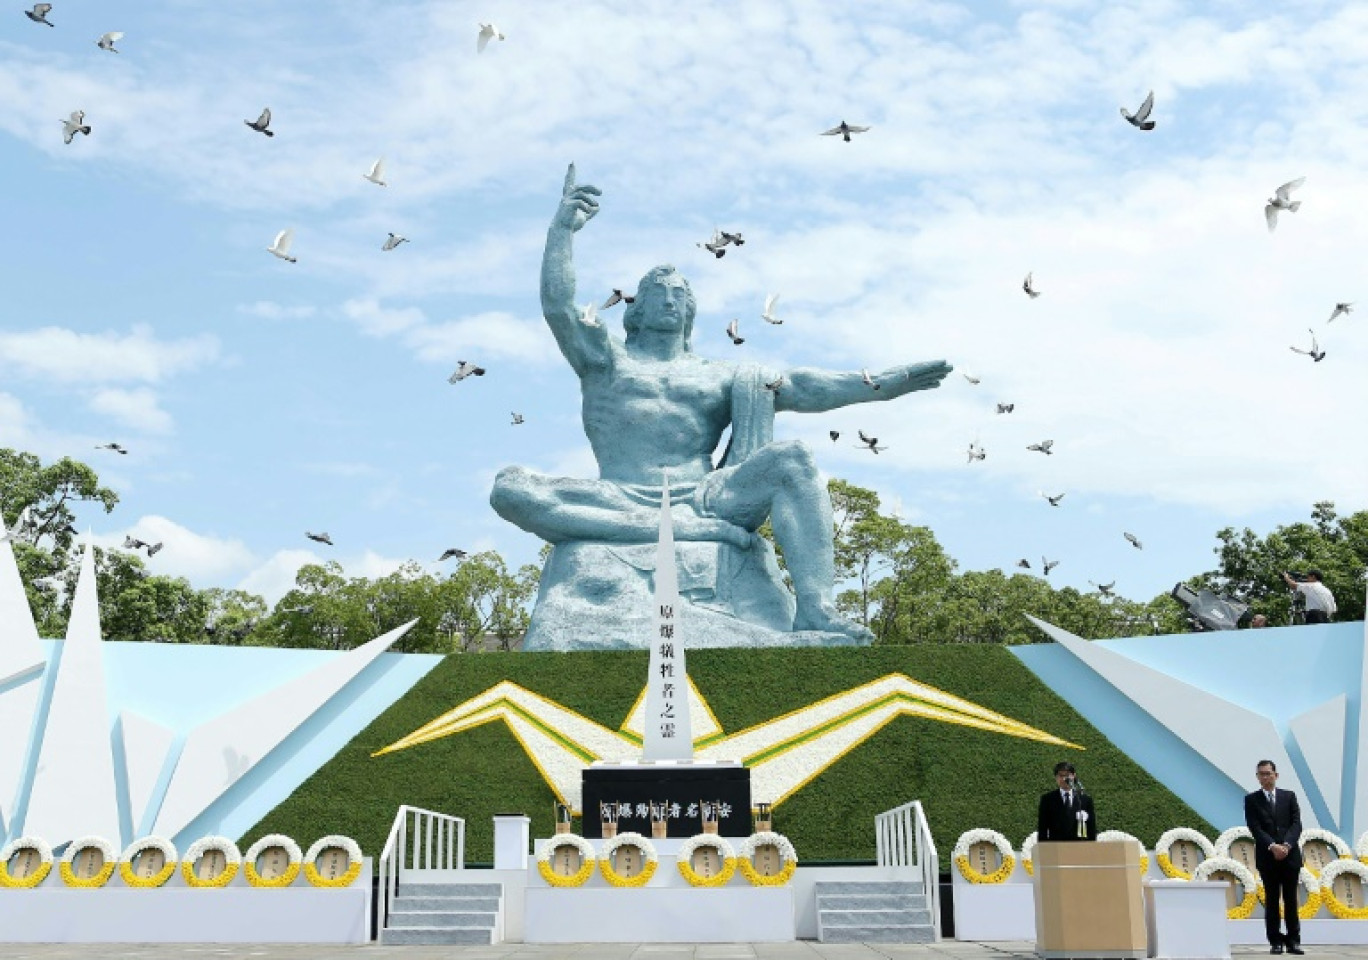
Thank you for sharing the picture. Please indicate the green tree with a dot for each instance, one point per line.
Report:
(49, 492)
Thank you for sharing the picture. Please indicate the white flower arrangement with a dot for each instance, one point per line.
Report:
(1330, 874)
(725, 853)
(1213, 868)
(110, 859)
(130, 855)
(1028, 854)
(231, 855)
(1166, 842)
(960, 856)
(745, 859)
(348, 877)
(1315, 834)
(628, 839)
(1228, 839)
(1361, 848)
(255, 851)
(548, 853)
(39, 846)
(1110, 836)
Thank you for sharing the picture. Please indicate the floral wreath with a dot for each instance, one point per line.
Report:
(960, 856)
(628, 839)
(548, 850)
(1328, 877)
(1169, 838)
(684, 860)
(36, 844)
(1227, 840)
(1209, 868)
(353, 870)
(1315, 894)
(260, 847)
(111, 857)
(1028, 854)
(131, 879)
(786, 852)
(1312, 834)
(1112, 835)
(1361, 848)
(199, 848)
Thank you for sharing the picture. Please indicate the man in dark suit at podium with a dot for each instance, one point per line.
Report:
(1274, 818)
(1067, 812)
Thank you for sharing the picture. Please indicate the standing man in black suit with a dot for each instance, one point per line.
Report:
(1274, 818)
(1067, 812)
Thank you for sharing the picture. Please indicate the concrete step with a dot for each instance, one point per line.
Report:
(464, 904)
(442, 918)
(847, 887)
(412, 936)
(827, 919)
(886, 933)
(414, 888)
(870, 901)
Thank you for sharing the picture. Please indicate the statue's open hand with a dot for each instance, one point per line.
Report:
(577, 206)
(925, 376)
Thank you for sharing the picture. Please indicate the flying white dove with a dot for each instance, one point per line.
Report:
(1042, 447)
(973, 380)
(732, 331)
(844, 130)
(488, 32)
(464, 370)
(976, 453)
(589, 315)
(261, 123)
(280, 247)
(377, 173)
(107, 41)
(868, 380)
(319, 537)
(1140, 118)
(1281, 200)
(717, 246)
(1315, 353)
(39, 13)
(1029, 286)
(768, 315)
(1341, 310)
(394, 241)
(73, 125)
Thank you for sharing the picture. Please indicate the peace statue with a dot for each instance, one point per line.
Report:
(655, 411)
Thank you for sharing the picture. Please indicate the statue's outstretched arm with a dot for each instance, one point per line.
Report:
(584, 344)
(809, 390)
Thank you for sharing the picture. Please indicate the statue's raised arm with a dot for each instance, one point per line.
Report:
(584, 344)
(809, 390)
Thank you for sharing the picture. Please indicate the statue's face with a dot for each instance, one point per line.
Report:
(665, 303)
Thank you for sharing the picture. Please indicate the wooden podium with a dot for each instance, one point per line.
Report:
(1088, 900)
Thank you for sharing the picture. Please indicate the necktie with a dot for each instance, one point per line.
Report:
(1068, 799)
(1269, 794)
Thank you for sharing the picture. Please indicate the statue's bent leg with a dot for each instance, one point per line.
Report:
(560, 509)
(780, 481)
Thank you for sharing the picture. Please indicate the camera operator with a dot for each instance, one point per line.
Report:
(1320, 602)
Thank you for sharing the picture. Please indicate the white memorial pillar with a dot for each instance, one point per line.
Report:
(668, 732)
(512, 835)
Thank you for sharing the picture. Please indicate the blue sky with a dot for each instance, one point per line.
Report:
(260, 399)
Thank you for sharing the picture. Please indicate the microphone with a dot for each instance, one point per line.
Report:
(1076, 784)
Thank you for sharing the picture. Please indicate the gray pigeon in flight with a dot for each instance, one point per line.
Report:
(844, 130)
(1104, 588)
(976, 453)
(319, 537)
(1315, 353)
(1341, 310)
(834, 435)
(488, 32)
(1024, 564)
(517, 419)
(733, 331)
(464, 370)
(617, 297)
(870, 443)
(107, 41)
(1282, 200)
(1140, 118)
(39, 13)
(1042, 447)
(1029, 286)
(1048, 565)
(717, 246)
(452, 553)
(775, 385)
(1053, 500)
(1006, 407)
(974, 380)
(1133, 540)
(112, 446)
(261, 123)
(73, 125)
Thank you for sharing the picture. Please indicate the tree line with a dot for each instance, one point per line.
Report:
(897, 580)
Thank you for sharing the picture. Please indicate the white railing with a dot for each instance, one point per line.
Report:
(903, 839)
(435, 841)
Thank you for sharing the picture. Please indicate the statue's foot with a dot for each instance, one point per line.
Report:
(824, 618)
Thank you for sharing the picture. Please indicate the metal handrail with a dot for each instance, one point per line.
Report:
(903, 839)
(438, 844)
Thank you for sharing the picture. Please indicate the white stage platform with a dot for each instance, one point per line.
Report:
(665, 914)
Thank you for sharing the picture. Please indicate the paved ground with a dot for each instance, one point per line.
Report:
(801, 950)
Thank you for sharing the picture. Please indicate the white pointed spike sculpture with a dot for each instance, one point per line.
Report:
(73, 789)
(669, 734)
(1358, 768)
(21, 662)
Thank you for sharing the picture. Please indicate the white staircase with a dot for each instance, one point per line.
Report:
(445, 913)
(874, 911)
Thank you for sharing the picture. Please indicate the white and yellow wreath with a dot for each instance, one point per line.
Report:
(232, 860)
(1168, 839)
(36, 844)
(1361, 848)
(110, 860)
(1028, 854)
(254, 852)
(786, 853)
(629, 839)
(1227, 840)
(1309, 882)
(348, 877)
(1110, 836)
(725, 853)
(548, 853)
(960, 856)
(130, 855)
(1328, 876)
(1311, 834)
(1208, 869)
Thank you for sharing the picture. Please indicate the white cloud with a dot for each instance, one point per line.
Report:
(69, 356)
(202, 559)
(270, 310)
(377, 321)
(276, 576)
(136, 408)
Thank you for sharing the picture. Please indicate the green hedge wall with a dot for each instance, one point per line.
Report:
(964, 777)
